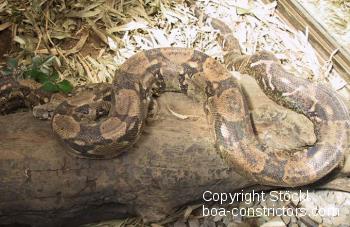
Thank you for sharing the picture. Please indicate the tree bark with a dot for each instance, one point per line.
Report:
(172, 164)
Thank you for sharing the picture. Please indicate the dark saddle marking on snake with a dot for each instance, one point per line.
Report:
(102, 121)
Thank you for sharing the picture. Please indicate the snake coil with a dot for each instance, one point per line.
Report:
(78, 120)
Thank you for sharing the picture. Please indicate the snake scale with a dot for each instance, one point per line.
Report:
(101, 121)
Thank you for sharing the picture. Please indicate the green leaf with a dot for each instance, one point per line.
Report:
(54, 76)
(36, 75)
(50, 87)
(65, 86)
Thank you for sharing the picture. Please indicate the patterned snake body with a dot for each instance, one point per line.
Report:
(102, 121)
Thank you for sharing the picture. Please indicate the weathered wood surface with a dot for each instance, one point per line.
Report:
(173, 164)
(165, 169)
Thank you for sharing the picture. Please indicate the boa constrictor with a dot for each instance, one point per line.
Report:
(101, 120)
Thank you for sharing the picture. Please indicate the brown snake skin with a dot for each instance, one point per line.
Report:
(102, 121)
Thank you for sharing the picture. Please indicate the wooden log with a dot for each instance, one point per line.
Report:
(172, 164)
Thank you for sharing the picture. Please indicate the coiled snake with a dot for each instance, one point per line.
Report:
(102, 121)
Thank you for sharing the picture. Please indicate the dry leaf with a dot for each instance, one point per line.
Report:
(181, 116)
(133, 25)
(5, 26)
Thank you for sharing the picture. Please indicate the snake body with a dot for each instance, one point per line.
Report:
(102, 121)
